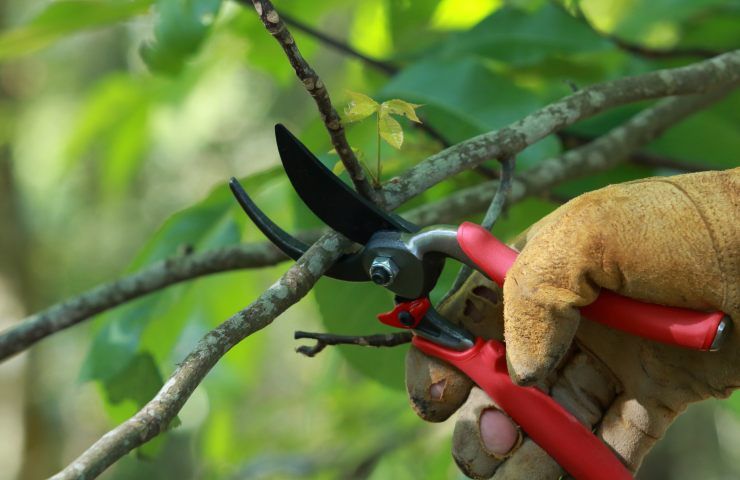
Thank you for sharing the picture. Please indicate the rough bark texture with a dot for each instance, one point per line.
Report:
(719, 72)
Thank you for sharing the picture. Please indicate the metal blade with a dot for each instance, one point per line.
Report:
(329, 198)
(348, 268)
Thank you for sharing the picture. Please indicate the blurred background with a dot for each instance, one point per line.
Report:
(120, 122)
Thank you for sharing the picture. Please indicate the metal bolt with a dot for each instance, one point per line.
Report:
(406, 318)
(383, 271)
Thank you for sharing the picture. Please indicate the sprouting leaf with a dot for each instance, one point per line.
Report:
(338, 168)
(401, 107)
(390, 130)
(359, 107)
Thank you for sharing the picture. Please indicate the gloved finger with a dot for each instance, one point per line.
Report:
(544, 288)
(435, 389)
(530, 462)
(616, 238)
(584, 387)
(632, 427)
(483, 436)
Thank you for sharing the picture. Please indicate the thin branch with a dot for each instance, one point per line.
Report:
(572, 140)
(150, 279)
(159, 412)
(384, 67)
(637, 49)
(156, 415)
(316, 88)
(503, 189)
(502, 193)
(325, 339)
(720, 72)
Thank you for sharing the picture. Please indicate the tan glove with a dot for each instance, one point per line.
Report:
(673, 241)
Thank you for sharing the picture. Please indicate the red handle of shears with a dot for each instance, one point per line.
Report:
(552, 427)
(677, 326)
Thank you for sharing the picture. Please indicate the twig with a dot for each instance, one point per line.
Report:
(315, 86)
(720, 72)
(572, 140)
(494, 210)
(325, 339)
(385, 67)
(641, 50)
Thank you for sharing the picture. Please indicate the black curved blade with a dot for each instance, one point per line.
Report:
(348, 268)
(329, 198)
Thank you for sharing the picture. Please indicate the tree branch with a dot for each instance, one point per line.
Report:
(719, 72)
(572, 140)
(150, 279)
(384, 67)
(156, 415)
(641, 50)
(316, 88)
(601, 154)
(325, 339)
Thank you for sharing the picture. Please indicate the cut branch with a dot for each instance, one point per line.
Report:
(315, 86)
(720, 72)
(325, 339)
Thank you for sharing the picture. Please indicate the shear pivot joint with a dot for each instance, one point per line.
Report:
(383, 270)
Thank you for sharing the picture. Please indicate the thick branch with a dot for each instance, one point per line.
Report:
(325, 339)
(156, 415)
(150, 279)
(275, 25)
(717, 73)
(601, 154)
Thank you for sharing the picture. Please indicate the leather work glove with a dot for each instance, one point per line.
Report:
(668, 240)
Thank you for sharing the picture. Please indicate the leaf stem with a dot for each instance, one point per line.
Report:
(377, 132)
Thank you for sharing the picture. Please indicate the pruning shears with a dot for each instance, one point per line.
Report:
(408, 260)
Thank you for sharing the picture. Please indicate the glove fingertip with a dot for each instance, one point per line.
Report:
(436, 390)
(537, 338)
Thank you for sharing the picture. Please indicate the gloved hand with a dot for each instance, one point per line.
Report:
(673, 241)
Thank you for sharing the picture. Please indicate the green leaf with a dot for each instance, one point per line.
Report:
(464, 98)
(520, 38)
(360, 106)
(390, 130)
(402, 107)
(338, 168)
(113, 128)
(351, 309)
(181, 28)
(66, 17)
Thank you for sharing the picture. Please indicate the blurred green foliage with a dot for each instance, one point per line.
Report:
(146, 106)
